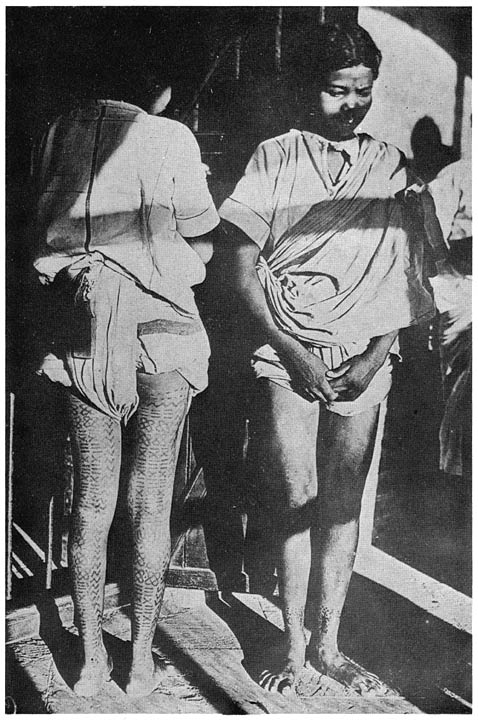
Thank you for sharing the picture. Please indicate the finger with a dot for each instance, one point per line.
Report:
(329, 393)
(339, 371)
(340, 386)
(307, 394)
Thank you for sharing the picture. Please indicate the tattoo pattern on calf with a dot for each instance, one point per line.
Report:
(158, 425)
(96, 445)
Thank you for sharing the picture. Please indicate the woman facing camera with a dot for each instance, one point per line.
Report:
(324, 271)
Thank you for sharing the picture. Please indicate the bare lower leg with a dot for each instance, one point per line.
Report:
(294, 564)
(349, 443)
(96, 441)
(332, 573)
(283, 450)
(159, 422)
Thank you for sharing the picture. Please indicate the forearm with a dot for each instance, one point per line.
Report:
(379, 347)
(246, 293)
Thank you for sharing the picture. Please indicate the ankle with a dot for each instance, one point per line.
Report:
(142, 663)
(98, 657)
(325, 650)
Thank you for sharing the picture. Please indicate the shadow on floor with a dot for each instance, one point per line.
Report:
(407, 647)
(426, 659)
(64, 645)
(261, 642)
(196, 674)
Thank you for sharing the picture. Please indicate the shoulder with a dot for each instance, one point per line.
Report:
(276, 149)
(174, 137)
(281, 143)
(384, 151)
(165, 126)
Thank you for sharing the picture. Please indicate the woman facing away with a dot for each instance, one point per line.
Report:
(123, 217)
(323, 268)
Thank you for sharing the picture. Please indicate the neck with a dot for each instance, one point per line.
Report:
(330, 136)
(325, 132)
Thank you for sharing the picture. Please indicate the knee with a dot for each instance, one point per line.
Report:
(296, 508)
(92, 522)
(300, 494)
(341, 507)
(290, 488)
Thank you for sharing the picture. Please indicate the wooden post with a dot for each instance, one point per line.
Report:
(278, 41)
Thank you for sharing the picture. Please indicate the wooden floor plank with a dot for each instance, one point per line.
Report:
(203, 650)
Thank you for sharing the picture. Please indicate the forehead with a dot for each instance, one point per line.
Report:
(357, 75)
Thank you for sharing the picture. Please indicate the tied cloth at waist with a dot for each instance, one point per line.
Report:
(111, 308)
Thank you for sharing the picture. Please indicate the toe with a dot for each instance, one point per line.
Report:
(274, 683)
(285, 687)
(265, 679)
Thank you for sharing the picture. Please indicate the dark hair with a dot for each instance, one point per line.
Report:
(135, 82)
(336, 46)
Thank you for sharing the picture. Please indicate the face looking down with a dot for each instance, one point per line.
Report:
(344, 100)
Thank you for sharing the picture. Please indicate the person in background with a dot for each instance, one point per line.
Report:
(123, 223)
(450, 192)
(320, 263)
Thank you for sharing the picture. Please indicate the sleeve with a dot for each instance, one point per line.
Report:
(193, 205)
(251, 205)
(446, 195)
(401, 176)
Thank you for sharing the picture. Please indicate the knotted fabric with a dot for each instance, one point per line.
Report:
(105, 372)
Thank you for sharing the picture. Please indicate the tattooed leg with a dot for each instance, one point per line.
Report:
(96, 445)
(344, 456)
(163, 405)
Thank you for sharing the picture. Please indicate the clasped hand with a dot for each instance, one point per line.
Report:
(353, 376)
(315, 381)
(309, 376)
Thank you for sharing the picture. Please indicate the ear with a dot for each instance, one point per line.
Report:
(161, 101)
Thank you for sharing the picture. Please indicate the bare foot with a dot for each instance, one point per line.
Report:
(284, 678)
(345, 671)
(143, 679)
(93, 675)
